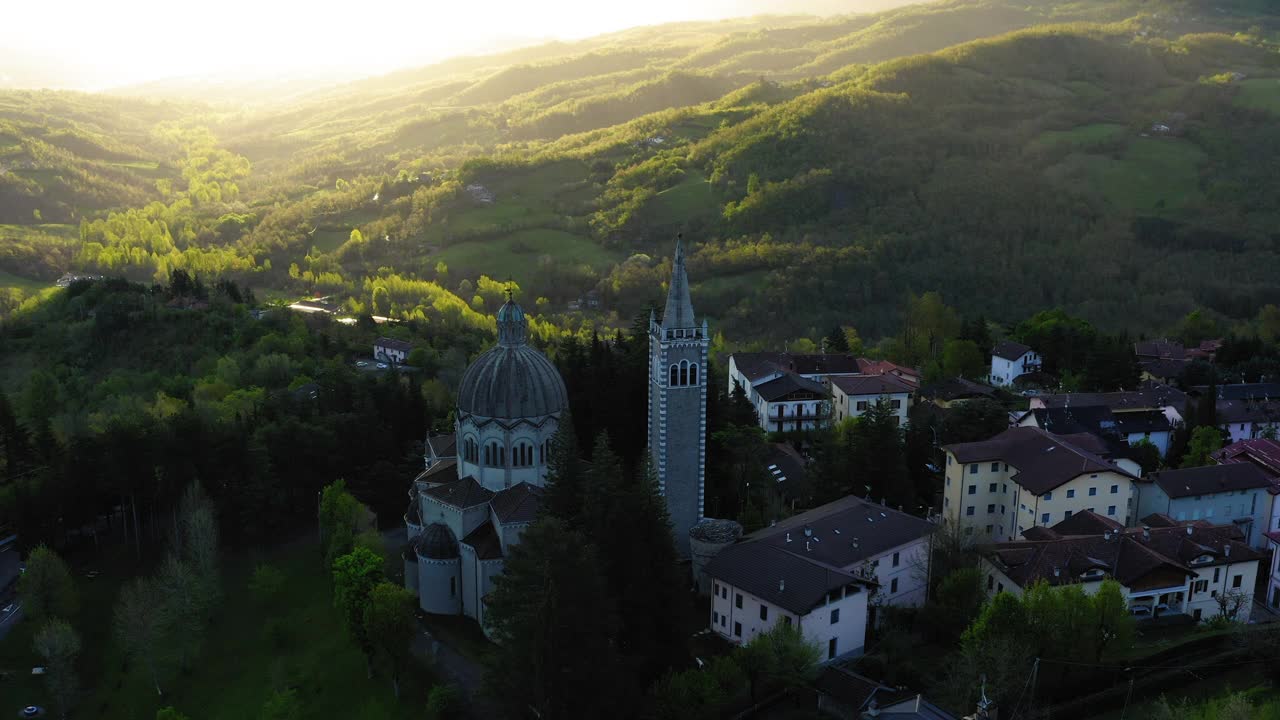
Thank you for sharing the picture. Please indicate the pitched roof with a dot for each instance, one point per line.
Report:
(462, 494)
(1010, 350)
(1244, 391)
(1149, 396)
(517, 504)
(755, 365)
(1170, 349)
(1210, 479)
(840, 535)
(1261, 452)
(1124, 554)
(444, 446)
(1071, 420)
(1087, 523)
(484, 541)
(785, 464)
(679, 310)
(442, 473)
(1164, 368)
(782, 387)
(1043, 461)
(875, 385)
(393, 344)
(955, 389)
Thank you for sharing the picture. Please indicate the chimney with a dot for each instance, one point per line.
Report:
(1106, 536)
(788, 537)
(1226, 549)
(808, 531)
(1057, 571)
(872, 711)
(1146, 532)
(1188, 529)
(782, 585)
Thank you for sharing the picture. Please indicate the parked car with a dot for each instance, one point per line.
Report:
(362, 363)
(382, 366)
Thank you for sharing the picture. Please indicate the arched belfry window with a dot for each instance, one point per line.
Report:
(494, 454)
(471, 450)
(675, 376)
(522, 455)
(693, 374)
(684, 372)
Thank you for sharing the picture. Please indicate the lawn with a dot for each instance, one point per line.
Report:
(329, 239)
(1151, 173)
(1260, 94)
(689, 199)
(241, 663)
(25, 284)
(515, 254)
(1082, 136)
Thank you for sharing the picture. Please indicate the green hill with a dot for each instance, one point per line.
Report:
(1107, 157)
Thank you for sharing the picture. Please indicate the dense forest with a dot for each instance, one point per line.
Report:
(1093, 156)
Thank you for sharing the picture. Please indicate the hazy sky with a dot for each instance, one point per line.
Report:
(128, 41)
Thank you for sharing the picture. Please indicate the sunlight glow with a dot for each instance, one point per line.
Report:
(119, 42)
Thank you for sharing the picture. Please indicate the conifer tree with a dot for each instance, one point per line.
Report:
(564, 487)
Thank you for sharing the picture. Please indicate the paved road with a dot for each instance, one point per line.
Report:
(10, 619)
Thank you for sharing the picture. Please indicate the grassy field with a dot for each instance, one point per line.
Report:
(1260, 94)
(329, 239)
(239, 666)
(1151, 174)
(25, 284)
(689, 199)
(515, 254)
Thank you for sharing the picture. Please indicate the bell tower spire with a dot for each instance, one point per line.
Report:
(679, 312)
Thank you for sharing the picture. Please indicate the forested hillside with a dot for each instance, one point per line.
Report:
(1098, 156)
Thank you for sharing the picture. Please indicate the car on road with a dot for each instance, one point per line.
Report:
(382, 366)
(362, 363)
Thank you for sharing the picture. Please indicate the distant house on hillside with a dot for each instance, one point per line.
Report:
(1010, 360)
(318, 306)
(392, 351)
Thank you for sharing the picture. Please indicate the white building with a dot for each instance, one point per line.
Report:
(390, 350)
(791, 402)
(1164, 568)
(825, 570)
(774, 384)
(1273, 581)
(1025, 477)
(1010, 360)
(854, 395)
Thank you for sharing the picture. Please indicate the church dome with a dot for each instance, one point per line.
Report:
(512, 380)
(436, 543)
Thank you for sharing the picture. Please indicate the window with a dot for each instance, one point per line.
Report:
(992, 488)
(471, 450)
(1215, 574)
(494, 454)
(1201, 586)
(715, 618)
(715, 589)
(948, 459)
(675, 376)
(999, 587)
(893, 586)
(724, 620)
(786, 620)
(991, 509)
(522, 455)
(1093, 491)
(1226, 511)
(895, 404)
(724, 592)
(1111, 509)
(1048, 496)
(1115, 489)
(991, 582)
(989, 528)
(1045, 518)
(737, 629)
(946, 502)
(453, 587)
(862, 405)
(973, 469)
(1001, 509)
(895, 559)
(995, 467)
(764, 612)
(835, 616)
(737, 600)
(831, 648)
(973, 489)
(693, 374)
(1066, 514)
(1071, 494)
(1004, 487)
(1235, 581)
(968, 510)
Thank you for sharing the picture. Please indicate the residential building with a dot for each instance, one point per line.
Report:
(949, 393)
(1265, 455)
(1247, 410)
(1010, 360)
(1164, 567)
(791, 402)
(1026, 477)
(678, 348)
(390, 350)
(845, 694)
(824, 570)
(853, 395)
(1273, 578)
(1148, 396)
(1236, 493)
(1164, 349)
(1131, 426)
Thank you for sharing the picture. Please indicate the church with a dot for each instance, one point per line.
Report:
(482, 485)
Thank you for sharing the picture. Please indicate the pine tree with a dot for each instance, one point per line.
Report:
(836, 342)
(551, 616)
(563, 496)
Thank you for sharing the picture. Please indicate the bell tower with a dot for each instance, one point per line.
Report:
(678, 349)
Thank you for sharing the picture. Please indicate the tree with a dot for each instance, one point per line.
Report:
(1230, 603)
(381, 304)
(282, 705)
(170, 713)
(1147, 455)
(1196, 327)
(339, 521)
(782, 657)
(59, 645)
(562, 497)
(46, 588)
(354, 577)
(444, 702)
(186, 605)
(963, 358)
(1205, 440)
(956, 603)
(417, 358)
(388, 621)
(550, 614)
(139, 628)
(973, 420)
(837, 341)
(267, 584)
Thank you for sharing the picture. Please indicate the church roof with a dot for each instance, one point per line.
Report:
(517, 504)
(436, 542)
(442, 473)
(679, 311)
(512, 380)
(461, 494)
(484, 540)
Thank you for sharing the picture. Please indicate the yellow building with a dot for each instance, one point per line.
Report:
(1025, 477)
